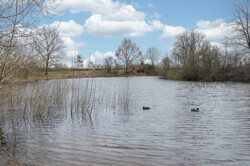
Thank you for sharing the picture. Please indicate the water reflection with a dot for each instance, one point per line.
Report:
(101, 122)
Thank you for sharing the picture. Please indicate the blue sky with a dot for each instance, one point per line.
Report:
(99, 26)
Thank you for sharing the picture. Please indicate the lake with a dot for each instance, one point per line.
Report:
(100, 121)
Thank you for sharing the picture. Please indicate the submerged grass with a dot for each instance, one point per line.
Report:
(76, 98)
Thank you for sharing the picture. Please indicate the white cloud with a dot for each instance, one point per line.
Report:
(93, 6)
(71, 44)
(151, 5)
(215, 30)
(123, 20)
(125, 13)
(98, 57)
(108, 8)
(98, 25)
(110, 18)
(69, 29)
(156, 25)
(170, 32)
(209, 24)
(71, 54)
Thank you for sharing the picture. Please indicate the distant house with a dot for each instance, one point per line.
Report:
(137, 68)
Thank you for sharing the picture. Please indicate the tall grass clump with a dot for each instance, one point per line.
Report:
(76, 98)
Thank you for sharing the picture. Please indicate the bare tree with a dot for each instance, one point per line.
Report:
(128, 52)
(241, 25)
(189, 48)
(109, 63)
(49, 46)
(79, 61)
(165, 63)
(153, 54)
(17, 19)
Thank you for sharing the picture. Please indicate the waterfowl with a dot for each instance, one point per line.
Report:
(145, 108)
(195, 110)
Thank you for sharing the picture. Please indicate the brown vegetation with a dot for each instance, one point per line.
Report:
(194, 59)
(77, 98)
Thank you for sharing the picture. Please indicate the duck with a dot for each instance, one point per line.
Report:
(145, 108)
(195, 110)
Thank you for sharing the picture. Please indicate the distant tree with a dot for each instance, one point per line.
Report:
(241, 25)
(165, 62)
(210, 63)
(128, 52)
(153, 54)
(91, 65)
(189, 48)
(49, 46)
(108, 63)
(117, 65)
(79, 61)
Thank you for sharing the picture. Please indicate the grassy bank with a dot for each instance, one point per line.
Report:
(80, 73)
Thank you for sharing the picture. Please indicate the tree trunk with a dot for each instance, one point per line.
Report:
(46, 70)
(126, 66)
(47, 66)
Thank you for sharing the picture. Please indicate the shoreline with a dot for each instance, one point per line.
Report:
(74, 74)
(70, 74)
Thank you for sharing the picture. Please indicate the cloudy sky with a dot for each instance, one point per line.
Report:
(99, 26)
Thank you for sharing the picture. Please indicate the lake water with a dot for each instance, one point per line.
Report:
(118, 132)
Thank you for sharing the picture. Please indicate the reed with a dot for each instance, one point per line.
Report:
(77, 98)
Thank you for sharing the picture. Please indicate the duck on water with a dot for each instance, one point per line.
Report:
(145, 108)
(195, 110)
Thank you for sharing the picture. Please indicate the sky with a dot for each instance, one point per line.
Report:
(95, 28)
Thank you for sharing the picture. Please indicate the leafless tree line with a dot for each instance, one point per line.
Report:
(195, 58)
(129, 54)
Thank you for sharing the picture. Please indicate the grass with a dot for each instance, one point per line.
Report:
(65, 74)
(76, 98)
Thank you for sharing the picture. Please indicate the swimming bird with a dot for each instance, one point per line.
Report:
(145, 108)
(195, 110)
